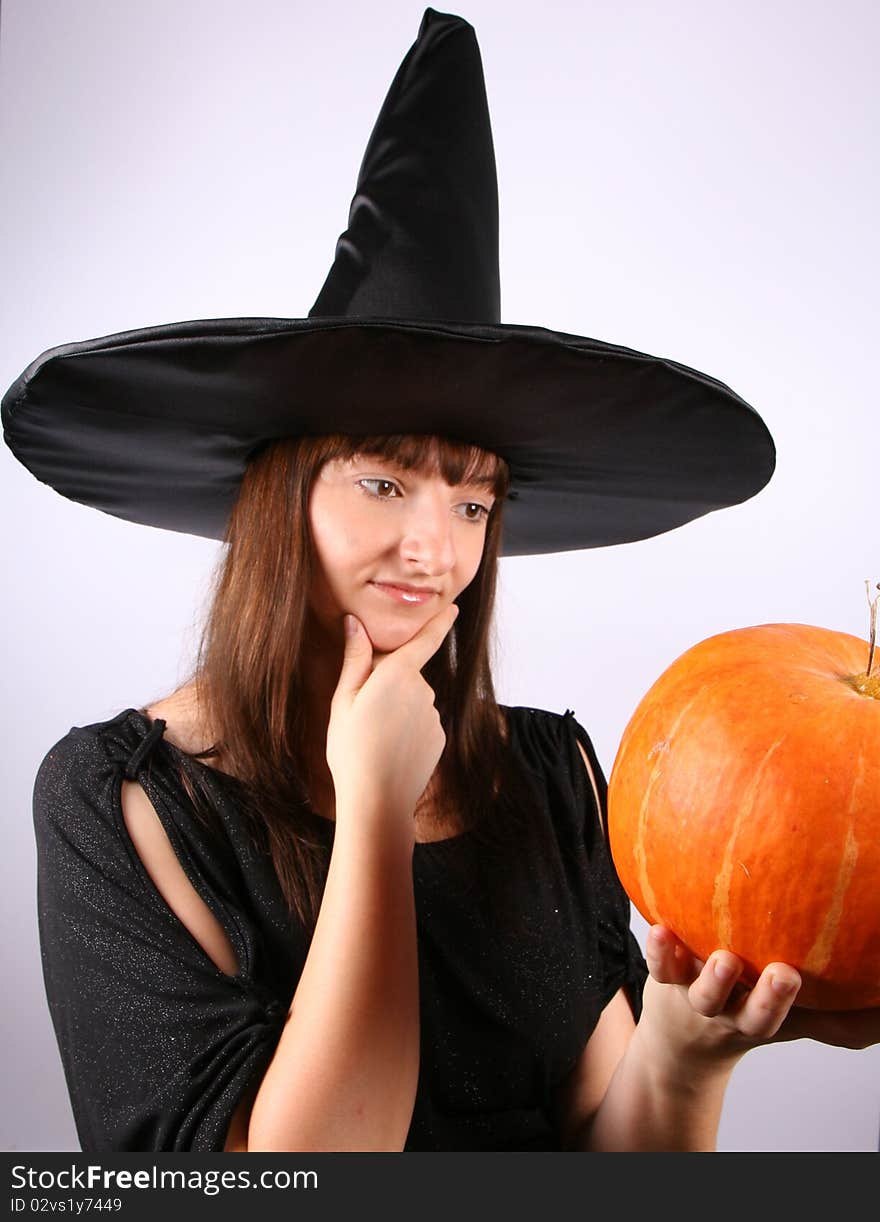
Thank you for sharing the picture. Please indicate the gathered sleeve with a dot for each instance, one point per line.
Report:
(158, 1045)
(621, 957)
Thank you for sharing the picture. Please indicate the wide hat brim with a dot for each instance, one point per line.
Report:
(605, 444)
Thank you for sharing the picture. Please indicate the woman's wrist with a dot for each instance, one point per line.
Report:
(660, 1098)
(375, 820)
(681, 1069)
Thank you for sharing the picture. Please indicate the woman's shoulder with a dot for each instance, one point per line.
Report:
(79, 769)
(183, 721)
(553, 741)
(85, 742)
(540, 725)
(532, 713)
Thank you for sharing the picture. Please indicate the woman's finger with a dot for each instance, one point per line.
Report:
(669, 961)
(711, 990)
(765, 1007)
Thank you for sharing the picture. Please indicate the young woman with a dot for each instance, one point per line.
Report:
(329, 895)
(204, 999)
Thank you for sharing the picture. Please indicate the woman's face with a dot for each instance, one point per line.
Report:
(374, 523)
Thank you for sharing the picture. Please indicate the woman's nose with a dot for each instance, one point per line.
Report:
(428, 538)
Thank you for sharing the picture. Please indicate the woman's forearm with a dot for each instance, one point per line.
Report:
(650, 1105)
(345, 1072)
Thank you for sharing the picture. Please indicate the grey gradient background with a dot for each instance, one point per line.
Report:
(695, 180)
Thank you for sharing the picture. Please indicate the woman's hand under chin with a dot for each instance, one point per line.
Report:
(698, 1016)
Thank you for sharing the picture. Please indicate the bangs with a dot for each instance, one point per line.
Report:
(428, 454)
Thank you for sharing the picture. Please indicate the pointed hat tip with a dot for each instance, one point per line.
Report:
(431, 17)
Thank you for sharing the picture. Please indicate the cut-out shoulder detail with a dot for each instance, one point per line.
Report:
(591, 775)
(160, 861)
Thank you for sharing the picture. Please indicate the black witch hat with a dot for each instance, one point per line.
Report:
(605, 444)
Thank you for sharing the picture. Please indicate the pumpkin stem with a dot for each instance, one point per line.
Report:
(872, 603)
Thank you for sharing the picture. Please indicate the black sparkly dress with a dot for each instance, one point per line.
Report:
(158, 1044)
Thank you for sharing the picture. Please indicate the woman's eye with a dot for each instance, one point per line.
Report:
(386, 482)
(482, 511)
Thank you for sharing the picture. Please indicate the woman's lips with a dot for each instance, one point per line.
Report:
(410, 598)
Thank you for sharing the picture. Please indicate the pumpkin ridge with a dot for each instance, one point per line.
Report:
(639, 854)
(721, 894)
(641, 860)
(819, 955)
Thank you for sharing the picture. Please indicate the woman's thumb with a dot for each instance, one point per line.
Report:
(358, 657)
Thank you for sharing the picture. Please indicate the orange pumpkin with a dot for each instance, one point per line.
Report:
(744, 806)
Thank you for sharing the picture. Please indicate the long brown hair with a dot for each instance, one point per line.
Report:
(248, 671)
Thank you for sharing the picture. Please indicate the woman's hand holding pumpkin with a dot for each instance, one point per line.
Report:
(701, 1017)
(697, 1020)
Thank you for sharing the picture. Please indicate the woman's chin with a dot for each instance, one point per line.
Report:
(388, 633)
(391, 628)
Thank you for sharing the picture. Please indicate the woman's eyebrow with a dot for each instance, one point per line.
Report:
(476, 481)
